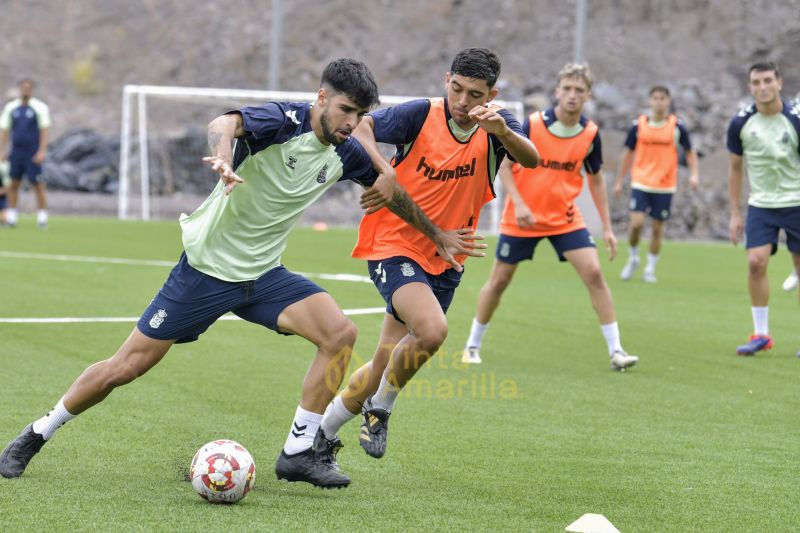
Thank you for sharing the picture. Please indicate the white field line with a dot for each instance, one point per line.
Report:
(94, 320)
(155, 263)
(86, 259)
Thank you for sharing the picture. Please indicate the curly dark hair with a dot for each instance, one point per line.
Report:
(352, 78)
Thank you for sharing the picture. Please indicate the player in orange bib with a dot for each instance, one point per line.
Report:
(448, 152)
(541, 204)
(651, 157)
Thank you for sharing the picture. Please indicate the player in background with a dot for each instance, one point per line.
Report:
(541, 204)
(651, 157)
(285, 156)
(28, 121)
(448, 152)
(764, 136)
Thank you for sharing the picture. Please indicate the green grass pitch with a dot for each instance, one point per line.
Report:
(692, 439)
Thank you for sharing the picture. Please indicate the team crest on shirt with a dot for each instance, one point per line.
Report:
(323, 174)
(407, 270)
(505, 249)
(158, 318)
(785, 139)
(291, 162)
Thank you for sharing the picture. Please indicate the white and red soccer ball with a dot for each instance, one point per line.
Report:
(222, 471)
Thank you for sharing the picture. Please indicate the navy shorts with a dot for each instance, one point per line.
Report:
(190, 301)
(390, 274)
(656, 204)
(763, 225)
(3, 201)
(512, 250)
(24, 166)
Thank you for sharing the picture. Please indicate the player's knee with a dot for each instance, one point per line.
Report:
(756, 265)
(431, 336)
(500, 282)
(349, 334)
(594, 277)
(341, 337)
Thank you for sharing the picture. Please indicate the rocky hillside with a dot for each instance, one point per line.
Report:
(82, 52)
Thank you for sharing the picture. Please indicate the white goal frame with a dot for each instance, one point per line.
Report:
(136, 95)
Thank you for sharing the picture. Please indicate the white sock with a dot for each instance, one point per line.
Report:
(49, 423)
(304, 429)
(386, 395)
(11, 215)
(652, 260)
(634, 251)
(476, 334)
(611, 333)
(761, 320)
(41, 216)
(336, 415)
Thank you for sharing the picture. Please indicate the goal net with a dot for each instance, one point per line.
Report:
(163, 140)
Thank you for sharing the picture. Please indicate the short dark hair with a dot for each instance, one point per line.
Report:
(659, 89)
(477, 63)
(764, 66)
(352, 78)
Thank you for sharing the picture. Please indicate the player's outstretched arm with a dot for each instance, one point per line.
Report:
(597, 186)
(626, 162)
(221, 132)
(448, 243)
(521, 148)
(735, 176)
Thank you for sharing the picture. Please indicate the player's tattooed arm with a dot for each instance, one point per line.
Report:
(448, 243)
(214, 138)
(403, 206)
(221, 132)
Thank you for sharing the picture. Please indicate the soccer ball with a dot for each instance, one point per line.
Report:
(222, 471)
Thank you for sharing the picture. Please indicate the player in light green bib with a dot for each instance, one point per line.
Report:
(764, 136)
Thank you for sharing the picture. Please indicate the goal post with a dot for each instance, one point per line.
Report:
(161, 115)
